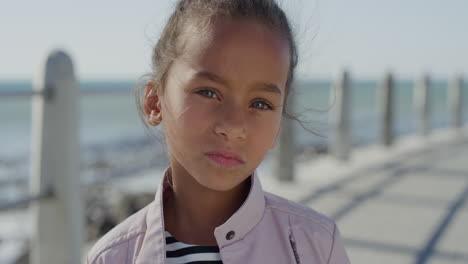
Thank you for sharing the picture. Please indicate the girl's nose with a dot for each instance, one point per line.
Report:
(231, 123)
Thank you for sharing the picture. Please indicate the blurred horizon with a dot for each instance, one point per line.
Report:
(316, 79)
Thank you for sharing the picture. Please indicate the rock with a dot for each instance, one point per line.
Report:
(106, 207)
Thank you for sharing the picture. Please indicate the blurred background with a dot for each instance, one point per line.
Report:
(110, 43)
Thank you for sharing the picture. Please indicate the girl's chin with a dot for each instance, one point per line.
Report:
(220, 184)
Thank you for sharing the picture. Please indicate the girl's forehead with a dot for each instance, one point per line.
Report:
(240, 49)
(224, 31)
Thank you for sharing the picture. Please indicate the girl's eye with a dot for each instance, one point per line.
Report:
(208, 93)
(262, 105)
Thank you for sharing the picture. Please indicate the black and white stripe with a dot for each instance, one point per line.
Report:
(181, 253)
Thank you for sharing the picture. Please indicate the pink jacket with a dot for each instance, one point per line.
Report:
(266, 229)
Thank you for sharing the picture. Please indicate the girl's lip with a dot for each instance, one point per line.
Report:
(225, 159)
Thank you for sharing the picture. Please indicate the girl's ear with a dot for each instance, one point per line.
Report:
(152, 104)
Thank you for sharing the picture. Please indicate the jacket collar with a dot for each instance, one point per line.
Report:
(153, 247)
(245, 218)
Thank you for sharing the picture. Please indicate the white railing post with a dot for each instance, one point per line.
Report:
(58, 222)
(422, 105)
(285, 152)
(340, 147)
(455, 97)
(385, 104)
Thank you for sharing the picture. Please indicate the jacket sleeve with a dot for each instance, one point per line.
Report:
(338, 253)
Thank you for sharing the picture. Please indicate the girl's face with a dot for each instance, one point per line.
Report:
(222, 103)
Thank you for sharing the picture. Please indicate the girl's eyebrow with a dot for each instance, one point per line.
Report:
(269, 87)
(211, 77)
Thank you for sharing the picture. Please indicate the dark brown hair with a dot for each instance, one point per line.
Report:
(201, 14)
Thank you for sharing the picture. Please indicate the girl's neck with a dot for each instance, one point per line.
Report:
(192, 211)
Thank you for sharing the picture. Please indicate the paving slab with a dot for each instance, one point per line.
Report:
(364, 255)
(393, 225)
(330, 203)
(447, 260)
(456, 237)
(364, 184)
(421, 185)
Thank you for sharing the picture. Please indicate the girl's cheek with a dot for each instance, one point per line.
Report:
(196, 113)
(265, 124)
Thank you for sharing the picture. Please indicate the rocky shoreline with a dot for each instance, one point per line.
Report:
(105, 207)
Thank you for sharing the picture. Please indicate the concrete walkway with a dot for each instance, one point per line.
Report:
(411, 208)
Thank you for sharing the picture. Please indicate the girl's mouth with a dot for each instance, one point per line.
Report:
(224, 158)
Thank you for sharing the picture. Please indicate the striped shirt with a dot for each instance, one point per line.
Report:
(181, 253)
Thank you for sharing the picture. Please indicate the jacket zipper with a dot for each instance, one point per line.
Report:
(293, 245)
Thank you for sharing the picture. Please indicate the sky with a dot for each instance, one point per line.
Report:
(113, 40)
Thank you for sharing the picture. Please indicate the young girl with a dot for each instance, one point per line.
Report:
(222, 74)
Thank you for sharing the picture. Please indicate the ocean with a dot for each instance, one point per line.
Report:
(114, 141)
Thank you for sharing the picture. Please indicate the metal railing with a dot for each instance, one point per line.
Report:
(48, 93)
(26, 200)
(9, 94)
